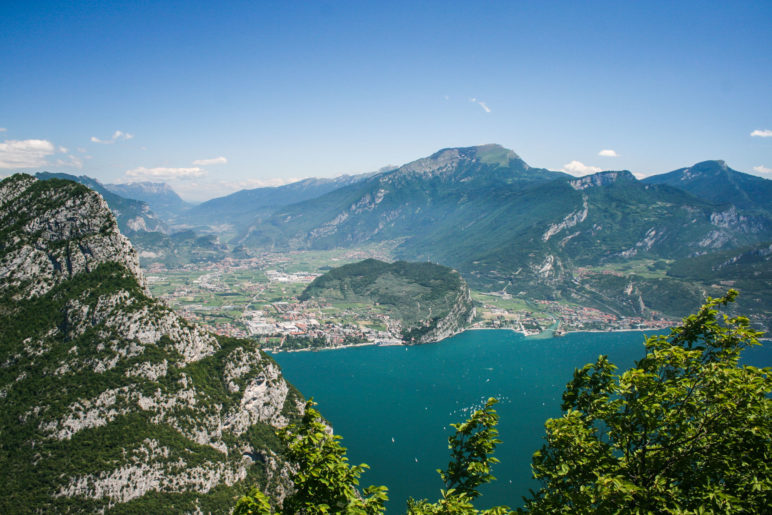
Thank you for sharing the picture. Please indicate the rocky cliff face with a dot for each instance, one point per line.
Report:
(108, 397)
(458, 318)
(51, 234)
(134, 216)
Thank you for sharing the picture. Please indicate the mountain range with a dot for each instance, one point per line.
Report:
(534, 233)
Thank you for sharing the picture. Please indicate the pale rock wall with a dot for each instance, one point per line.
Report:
(61, 233)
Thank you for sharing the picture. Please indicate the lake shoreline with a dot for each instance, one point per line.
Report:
(544, 335)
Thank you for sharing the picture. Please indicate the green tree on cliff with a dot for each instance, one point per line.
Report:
(686, 430)
(326, 483)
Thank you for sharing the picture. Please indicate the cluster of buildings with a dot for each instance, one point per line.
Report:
(288, 324)
(579, 318)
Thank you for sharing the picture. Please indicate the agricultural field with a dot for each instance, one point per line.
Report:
(257, 297)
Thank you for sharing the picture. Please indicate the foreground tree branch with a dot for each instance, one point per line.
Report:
(686, 430)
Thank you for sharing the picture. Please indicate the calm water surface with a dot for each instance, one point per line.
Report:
(394, 405)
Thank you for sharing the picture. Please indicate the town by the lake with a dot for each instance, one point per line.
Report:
(257, 297)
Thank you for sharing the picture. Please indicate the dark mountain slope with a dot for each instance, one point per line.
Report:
(529, 237)
(747, 269)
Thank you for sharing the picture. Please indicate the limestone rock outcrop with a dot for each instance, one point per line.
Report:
(108, 396)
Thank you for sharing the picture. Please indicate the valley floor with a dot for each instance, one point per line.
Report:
(257, 297)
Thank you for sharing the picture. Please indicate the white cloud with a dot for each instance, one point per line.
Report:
(579, 169)
(608, 153)
(762, 133)
(63, 150)
(763, 170)
(481, 104)
(71, 162)
(3, 129)
(28, 153)
(214, 161)
(117, 136)
(165, 173)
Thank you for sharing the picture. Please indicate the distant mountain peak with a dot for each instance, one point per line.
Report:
(448, 159)
(711, 163)
(487, 153)
(711, 167)
(495, 153)
(716, 182)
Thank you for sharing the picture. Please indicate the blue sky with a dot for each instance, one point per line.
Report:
(213, 98)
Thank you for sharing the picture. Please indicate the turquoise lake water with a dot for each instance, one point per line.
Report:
(394, 405)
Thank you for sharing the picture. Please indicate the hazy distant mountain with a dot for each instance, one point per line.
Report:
(242, 207)
(110, 400)
(716, 182)
(161, 198)
(134, 216)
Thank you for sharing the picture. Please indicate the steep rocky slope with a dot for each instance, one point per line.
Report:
(148, 233)
(110, 401)
(133, 216)
(429, 302)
